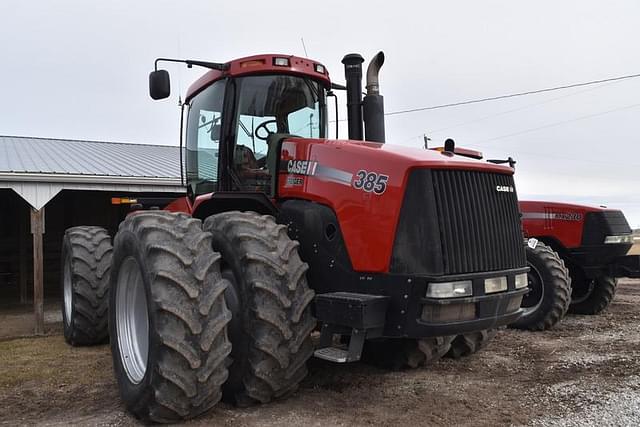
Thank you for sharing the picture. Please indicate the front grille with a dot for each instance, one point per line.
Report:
(456, 222)
(479, 221)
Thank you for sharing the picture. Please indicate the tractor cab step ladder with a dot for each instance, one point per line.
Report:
(357, 316)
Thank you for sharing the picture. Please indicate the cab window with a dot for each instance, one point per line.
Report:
(204, 124)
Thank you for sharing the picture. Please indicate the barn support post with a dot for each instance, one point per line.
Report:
(37, 230)
(23, 270)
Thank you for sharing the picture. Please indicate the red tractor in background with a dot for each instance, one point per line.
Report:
(592, 241)
(394, 253)
(575, 253)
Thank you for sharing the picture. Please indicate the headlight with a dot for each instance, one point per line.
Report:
(521, 281)
(495, 284)
(462, 288)
(625, 238)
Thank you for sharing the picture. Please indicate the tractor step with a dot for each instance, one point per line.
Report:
(333, 354)
(358, 316)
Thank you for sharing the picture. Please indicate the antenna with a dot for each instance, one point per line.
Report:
(426, 141)
(304, 47)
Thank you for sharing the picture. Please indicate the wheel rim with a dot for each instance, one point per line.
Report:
(533, 299)
(67, 293)
(132, 321)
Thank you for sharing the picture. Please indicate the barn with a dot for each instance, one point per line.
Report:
(48, 185)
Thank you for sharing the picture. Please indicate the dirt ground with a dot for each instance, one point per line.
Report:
(585, 372)
(18, 321)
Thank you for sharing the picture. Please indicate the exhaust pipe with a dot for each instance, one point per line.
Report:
(373, 104)
(353, 75)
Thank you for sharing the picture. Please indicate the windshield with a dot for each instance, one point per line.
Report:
(267, 105)
(278, 104)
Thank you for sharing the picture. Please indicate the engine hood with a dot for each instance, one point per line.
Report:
(409, 156)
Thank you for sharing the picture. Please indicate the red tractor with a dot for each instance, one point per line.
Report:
(593, 242)
(575, 254)
(397, 253)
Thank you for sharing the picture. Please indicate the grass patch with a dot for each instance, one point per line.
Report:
(50, 360)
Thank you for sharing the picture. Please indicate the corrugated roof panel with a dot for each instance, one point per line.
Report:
(71, 157)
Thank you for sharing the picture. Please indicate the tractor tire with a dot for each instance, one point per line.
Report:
(86, 261)
(167, 317)
(397, 354)
(466, 344)
(271, 304)
(549, 290)
(592, 296)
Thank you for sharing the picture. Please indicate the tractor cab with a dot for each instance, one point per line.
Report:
(233, 110)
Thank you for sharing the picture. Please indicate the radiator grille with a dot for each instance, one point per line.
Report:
(598, 225)
(479, 221)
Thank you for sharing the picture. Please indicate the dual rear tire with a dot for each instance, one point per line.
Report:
(415, 353)
(86, 263)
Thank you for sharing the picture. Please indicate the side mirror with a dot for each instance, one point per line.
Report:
(159, 84)
(215, 131)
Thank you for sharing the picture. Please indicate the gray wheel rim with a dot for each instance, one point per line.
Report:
(67, 291)
(132, 321)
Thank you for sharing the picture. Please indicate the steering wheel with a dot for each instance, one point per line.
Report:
(264, 125)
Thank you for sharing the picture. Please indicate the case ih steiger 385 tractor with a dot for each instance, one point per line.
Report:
(399, 253)
(593, 243)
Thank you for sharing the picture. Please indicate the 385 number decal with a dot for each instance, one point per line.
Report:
(370, 182)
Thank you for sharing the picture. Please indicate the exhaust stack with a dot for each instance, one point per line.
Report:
(373, 104)
(353, 75)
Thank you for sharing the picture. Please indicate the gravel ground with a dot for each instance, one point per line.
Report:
(584, 372)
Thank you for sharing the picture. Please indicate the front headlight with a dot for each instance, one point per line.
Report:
(495, 284)
(521, 281)
(624, 238)
(462, 288)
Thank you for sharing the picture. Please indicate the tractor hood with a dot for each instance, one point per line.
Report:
(365, 184)
(352, 154)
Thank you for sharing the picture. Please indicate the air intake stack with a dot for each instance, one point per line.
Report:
(371, 109)
(353, 75)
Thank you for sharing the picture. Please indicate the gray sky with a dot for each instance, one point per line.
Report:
(78, 69)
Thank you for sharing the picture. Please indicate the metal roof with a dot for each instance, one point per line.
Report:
(59, 159)
(39, 168)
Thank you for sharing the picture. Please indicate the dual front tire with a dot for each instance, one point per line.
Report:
(201, 313)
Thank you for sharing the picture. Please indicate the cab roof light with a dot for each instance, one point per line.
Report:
(252, 63)
(319, 68)
(281, 62)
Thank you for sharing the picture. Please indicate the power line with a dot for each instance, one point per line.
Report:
(588, 116)
(525, 107)
(512, 95)
(479, 119)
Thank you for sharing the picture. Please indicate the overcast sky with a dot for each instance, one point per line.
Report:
(79, 69)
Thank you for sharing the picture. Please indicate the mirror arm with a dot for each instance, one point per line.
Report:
(190, 63)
